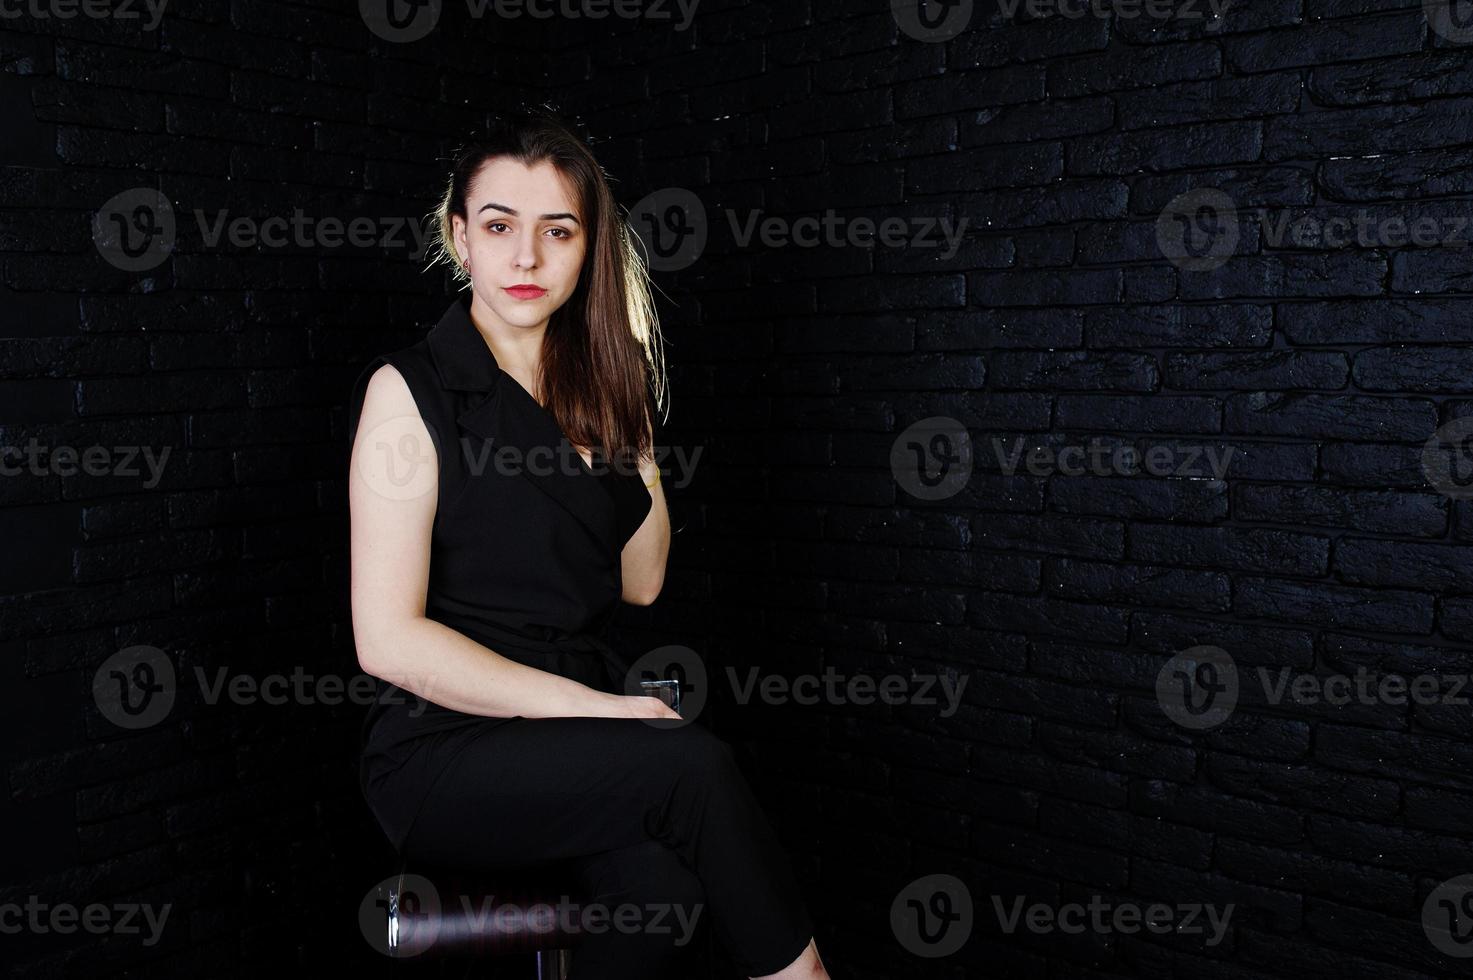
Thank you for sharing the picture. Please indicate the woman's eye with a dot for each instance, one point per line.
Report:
(562, 232)
(495, 225)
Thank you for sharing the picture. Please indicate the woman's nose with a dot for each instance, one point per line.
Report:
(526, 257)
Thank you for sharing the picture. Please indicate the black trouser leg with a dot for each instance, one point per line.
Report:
(655, 904)
(555, 789)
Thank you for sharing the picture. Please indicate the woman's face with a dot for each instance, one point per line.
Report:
(522, 227)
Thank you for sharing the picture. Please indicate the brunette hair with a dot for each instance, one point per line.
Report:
(602, 373)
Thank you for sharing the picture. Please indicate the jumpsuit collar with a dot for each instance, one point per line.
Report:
(510, 417)
(462, 357)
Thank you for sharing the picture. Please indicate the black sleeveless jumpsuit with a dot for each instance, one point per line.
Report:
(525, 560)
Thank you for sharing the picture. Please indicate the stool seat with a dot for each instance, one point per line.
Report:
(438, 914)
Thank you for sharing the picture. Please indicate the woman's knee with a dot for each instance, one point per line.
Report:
(698, 751)
(688, 770)
(649, 888)
(670, 890)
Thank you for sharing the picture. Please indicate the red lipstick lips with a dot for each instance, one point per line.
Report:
(526, 291)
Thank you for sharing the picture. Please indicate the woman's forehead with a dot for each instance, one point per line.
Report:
(539, 191)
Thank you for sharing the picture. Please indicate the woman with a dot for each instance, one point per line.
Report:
(487, 558)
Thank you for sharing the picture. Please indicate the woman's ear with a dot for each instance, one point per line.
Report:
(458, 240)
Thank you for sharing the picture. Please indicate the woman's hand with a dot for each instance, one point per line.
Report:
(642, 706)
(642, 562)
(648, 468)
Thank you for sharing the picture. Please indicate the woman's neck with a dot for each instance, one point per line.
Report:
(518, 350)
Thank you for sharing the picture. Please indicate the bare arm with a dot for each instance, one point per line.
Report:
(642, 562)
(392, 490)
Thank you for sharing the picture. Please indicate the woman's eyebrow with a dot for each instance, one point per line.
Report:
(562, 215)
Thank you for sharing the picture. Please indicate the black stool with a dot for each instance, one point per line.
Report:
(447, 916)
(435, 915)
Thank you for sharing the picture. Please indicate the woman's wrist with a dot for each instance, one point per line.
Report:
(603, 705)
(574, 699)
(649, 472)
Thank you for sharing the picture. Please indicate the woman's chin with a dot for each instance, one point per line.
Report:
(522, 313)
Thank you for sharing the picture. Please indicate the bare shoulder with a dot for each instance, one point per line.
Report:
(389, 416)
(387, 398)
(387, 389)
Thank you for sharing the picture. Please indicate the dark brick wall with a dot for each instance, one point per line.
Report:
(1136, 272)
(244, 816)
